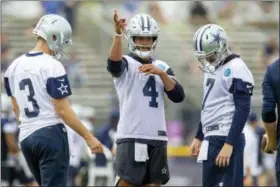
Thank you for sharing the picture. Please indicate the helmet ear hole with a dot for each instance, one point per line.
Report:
(133, 38)
(154, 38)
(54, 38)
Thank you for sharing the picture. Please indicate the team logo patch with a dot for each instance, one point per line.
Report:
(161, 66)
(227, 72)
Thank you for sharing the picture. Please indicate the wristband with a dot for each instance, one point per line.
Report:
(118, 34)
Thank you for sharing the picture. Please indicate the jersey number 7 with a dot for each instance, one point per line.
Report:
(149, 90)
(36, 110)
(210, 82)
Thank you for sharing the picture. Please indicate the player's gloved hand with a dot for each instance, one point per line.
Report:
(268, 144)
(195, 147)
(94, 145)
(150, 69)
(119, 23)
(223, 158)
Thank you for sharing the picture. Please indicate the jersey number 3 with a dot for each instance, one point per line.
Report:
(36, 110)
(149, 90)
(210, 82)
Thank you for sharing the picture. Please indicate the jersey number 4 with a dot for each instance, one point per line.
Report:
(36, 110)
(210, 82)
(149, 90)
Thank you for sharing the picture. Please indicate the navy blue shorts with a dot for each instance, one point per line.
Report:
(47, 154)
(230, 176)
(154, 171)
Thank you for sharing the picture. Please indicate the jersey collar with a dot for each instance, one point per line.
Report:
(228, 59)
(30, 54)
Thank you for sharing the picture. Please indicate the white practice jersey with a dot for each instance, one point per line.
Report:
(141, 100)
(33, 80)
(218, 105)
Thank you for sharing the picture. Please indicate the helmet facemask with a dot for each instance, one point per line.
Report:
(136, 48)
(211, 47)
(208, 63)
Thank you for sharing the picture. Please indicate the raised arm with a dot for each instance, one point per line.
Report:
(115, 63)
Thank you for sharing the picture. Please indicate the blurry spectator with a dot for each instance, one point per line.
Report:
(252, 153)
(4, 39)
(270, 52)
(157, 13)
(199, 14)
(263, 14)
(72, 67)
(171, 10)
(130, 8)
(226, 9)
(77, 145)
(5, 58)
(52, 7)
(22, 9)
(106, 135)
(70, 13)
(28, 32)
(89, 116)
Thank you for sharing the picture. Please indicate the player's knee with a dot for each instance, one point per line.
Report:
(123, 183)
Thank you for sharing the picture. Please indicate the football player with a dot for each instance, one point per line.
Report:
(140, 82)
(38, 86)
(228, 86)
(271, 99)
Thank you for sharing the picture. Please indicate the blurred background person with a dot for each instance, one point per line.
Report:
(252, 152)
(5, 52)
(77, 145)
(73, 69)
(106, 135)
(14, 168)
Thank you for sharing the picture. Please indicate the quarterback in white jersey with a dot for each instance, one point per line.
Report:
(141, 82)
(38, 86)
(228, 86)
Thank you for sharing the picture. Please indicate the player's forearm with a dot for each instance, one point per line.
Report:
(16, 112)
(173, 89)
(71, 119)
(15, 108)
(168, 82)
(116, 50)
